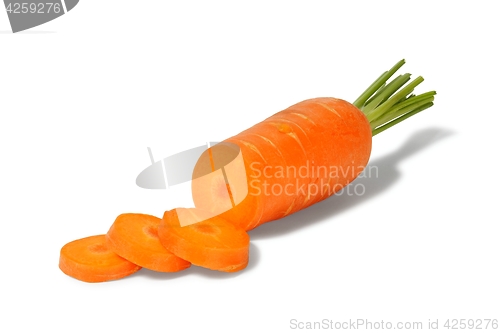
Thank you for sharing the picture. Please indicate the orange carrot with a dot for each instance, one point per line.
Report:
(90, 260)
(289, 161)
(303, 154)
(135, 238)
(212, 243)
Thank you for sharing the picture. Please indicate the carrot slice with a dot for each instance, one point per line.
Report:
(213, 243)
(90, 260)
(135, 238)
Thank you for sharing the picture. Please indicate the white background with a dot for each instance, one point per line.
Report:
(83, 96)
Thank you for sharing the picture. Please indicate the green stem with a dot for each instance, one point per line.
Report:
(387, 104)
(400, 119)
(388, 91)
(377, 84)
(414, 103)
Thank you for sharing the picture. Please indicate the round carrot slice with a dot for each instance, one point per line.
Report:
(210, 242)
(90, 260)
(135, 238)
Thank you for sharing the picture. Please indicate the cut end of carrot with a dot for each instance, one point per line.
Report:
(151, 231)
(221, 185)
(135, 238)
(220, 181)
(91, 260)
(213, 243)
(207, 229)
(98, 248)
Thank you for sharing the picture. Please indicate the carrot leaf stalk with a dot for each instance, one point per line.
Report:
(386, 104)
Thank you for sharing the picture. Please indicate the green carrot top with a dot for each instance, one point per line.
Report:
(386, 104)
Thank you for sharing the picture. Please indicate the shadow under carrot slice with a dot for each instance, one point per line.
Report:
(135, 238)
(213, 243)
(91, 260)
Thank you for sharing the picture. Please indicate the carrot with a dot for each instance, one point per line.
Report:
(135, 238)
(204, 240)
(303, 154)
(90, 260)
(289, 161)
